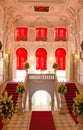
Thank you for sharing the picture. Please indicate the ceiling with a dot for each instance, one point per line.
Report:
(22, 12)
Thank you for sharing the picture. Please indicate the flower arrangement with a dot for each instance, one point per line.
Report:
(62, 88)
(6, 105)
(78, 105)
(26, 65)
(20, 88)
(55, 65)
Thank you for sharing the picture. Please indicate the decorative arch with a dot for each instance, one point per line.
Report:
(41, 59)
(21, 58)
(60, 56)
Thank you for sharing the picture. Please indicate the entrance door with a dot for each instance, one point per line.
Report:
(41, 100)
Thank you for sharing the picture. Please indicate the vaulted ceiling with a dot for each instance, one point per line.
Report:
(22, 12)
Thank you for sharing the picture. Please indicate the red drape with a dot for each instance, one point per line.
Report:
(41, 59)
(21, 34)
(60, 34)
(41, 34)
(21, 56)
(60, 55)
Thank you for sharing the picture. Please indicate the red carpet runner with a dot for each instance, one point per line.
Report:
(11, 89)
(42, 120)
(69, 97)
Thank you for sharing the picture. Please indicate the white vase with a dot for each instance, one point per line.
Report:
(26, 70)
(63, 105)
(19, 107)
(55, 70)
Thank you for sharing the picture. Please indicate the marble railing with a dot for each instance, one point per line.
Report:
(41, 76)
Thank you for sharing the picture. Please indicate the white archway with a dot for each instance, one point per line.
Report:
(41, 100)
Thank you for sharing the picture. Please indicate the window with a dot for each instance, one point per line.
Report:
(41, 59)
(60, 34)
(21, 34)
(41, 34)
(60, 55)
(21, 57)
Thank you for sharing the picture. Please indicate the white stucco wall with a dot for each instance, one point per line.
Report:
(81, 39)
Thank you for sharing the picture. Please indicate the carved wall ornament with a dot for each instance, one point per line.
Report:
(82, 45)
(0, 45)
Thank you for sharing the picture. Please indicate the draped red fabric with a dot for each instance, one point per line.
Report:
(21, 58)
(21, 34)
(60, 55)
(41, 34)
(60, 34)
(41, 59)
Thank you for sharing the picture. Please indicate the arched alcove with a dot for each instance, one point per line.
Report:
(41, 100)
(21, 58)
(60, 57)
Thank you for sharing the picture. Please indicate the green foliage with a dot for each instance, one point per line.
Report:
(6, 106)
(20, 88)
(55, 65)
(26, 65)
(62, 88)
(78, 105)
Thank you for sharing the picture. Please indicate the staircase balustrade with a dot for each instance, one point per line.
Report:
(41, 76)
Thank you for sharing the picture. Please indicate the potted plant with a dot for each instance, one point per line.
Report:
(55, 66)
(20, 91)
(78, 109)
(20, 88)
(26, 66)
(6, 105)
(62, 88)
(6, 108)
(78, 105)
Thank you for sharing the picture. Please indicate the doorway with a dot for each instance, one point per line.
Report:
(41, 100)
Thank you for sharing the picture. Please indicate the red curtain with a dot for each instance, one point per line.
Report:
(41, 59)
(21, 34)
(60, 34)
(41, 34)
(21, 58)
(60, 55)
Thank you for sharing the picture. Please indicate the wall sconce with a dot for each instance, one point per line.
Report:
(1, 54)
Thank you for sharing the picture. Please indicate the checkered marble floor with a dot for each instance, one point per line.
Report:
(63, 121)
(22, 121)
